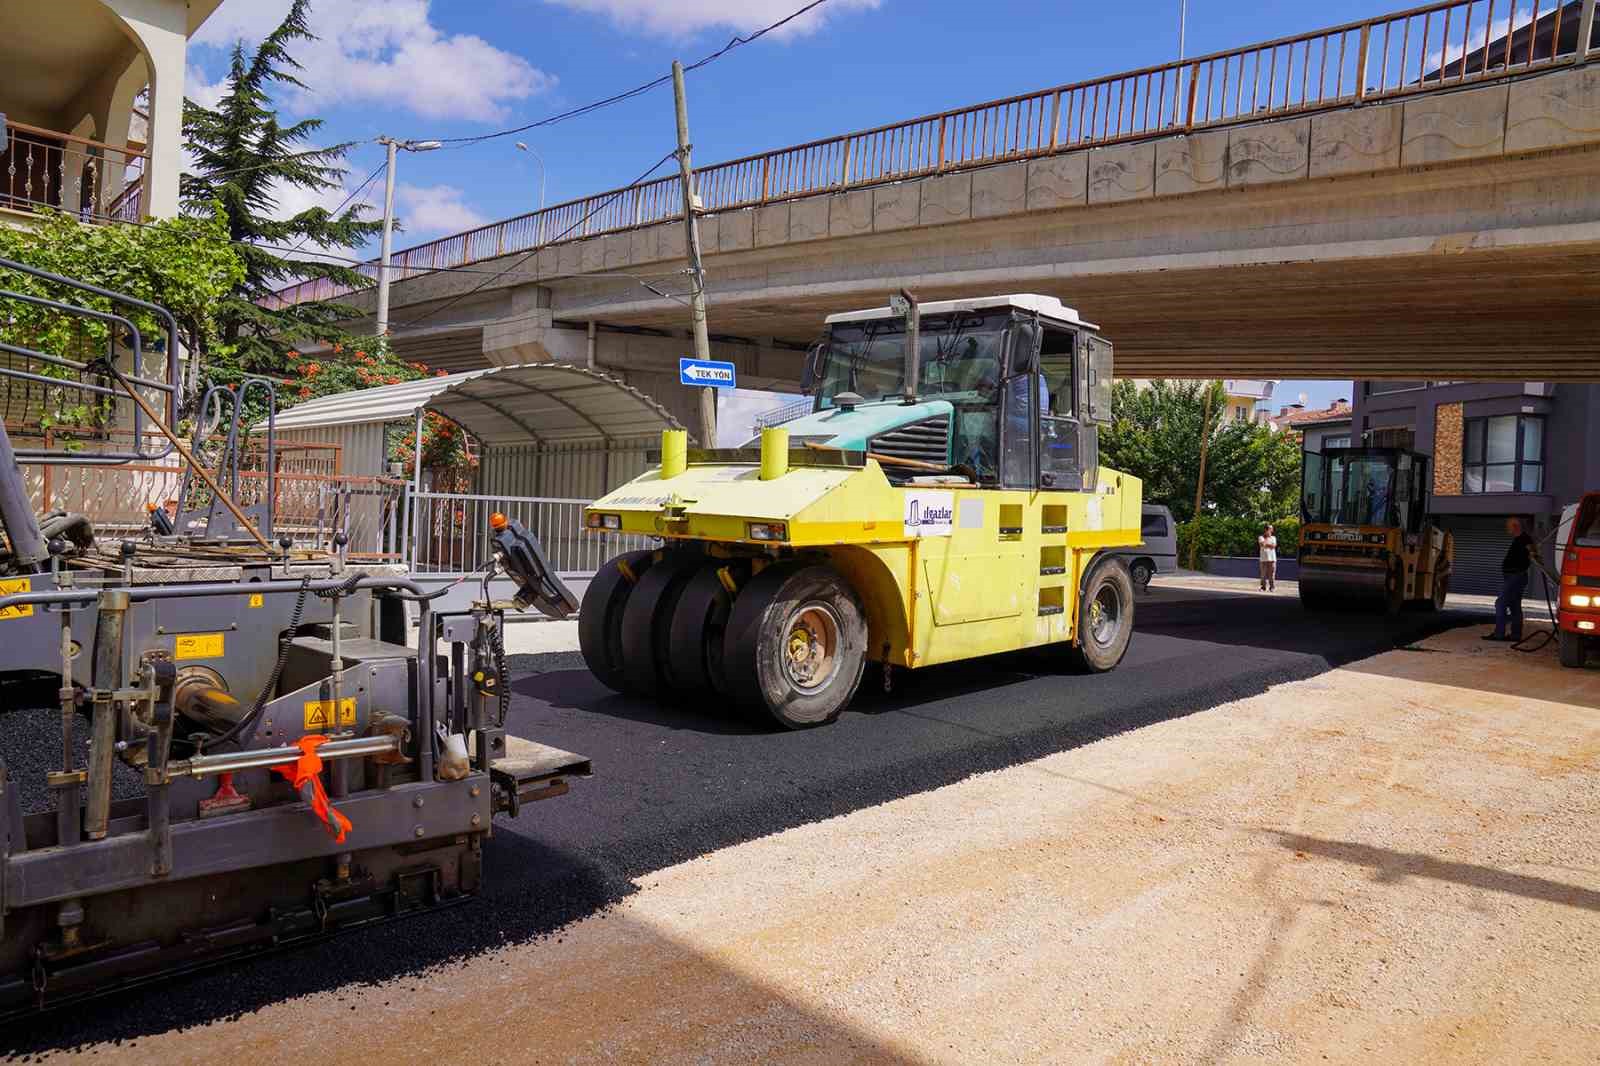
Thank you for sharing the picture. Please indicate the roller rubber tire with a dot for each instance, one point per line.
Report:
(646, 619)
(760, 632)
(1099, 649)
(695, 637)
(1574, 649)
(600, 617)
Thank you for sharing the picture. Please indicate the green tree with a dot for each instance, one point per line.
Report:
(243, 157)
(185, 265)
(1252, 471)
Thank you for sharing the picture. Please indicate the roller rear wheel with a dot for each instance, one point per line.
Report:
(647, 620)
(796, 644)
(1105, 621)
(1441, 592)
(600, 616)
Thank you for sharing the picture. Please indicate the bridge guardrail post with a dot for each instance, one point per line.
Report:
(941, 143)
(1581, 49)
(766, 176)
(844, 170)
(1362, 54)
(1194, 90)
(1055, 119)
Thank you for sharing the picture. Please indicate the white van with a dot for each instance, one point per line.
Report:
(1158, 554)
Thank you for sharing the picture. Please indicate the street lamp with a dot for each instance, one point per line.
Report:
(523, 147)
(393, 146)
(1183, 26)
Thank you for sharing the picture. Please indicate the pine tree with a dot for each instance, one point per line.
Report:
(242, 156)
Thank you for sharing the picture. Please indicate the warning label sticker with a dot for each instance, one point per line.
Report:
(256, 599)
(319, 713)
(197, 646)
(7, 588)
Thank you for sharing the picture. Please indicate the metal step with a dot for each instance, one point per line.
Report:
(530, 771)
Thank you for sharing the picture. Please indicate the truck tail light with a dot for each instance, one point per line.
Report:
(769, 531)
(596, 520)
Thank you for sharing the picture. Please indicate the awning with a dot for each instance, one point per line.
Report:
(548, 402)
(535, 403)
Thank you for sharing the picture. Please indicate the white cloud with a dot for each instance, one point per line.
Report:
(681, 17)
(386, 52)
(202, 91)
(434, 209)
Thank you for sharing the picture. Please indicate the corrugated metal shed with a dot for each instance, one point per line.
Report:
(386, 403)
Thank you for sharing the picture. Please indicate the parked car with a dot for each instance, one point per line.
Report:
(1158, 553)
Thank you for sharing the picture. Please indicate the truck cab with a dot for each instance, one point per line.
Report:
(1578, 617)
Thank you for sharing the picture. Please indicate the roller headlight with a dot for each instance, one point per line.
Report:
(596, 520)
(769, 531)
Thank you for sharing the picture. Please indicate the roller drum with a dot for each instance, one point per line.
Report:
(1322, 584)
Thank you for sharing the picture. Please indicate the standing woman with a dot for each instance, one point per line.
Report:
(1269, 559)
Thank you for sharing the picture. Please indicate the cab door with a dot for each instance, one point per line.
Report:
(1066, 451)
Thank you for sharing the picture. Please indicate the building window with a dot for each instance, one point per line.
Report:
(1504, 454)
(1378, 388)
(1336, 442)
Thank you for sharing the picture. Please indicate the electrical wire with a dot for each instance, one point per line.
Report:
(530, 253)
(737, 41)
(383, 166)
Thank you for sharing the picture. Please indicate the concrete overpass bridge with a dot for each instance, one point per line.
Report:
(1414, 196)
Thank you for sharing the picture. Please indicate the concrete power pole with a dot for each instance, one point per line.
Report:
(381, 321)
(697, 270)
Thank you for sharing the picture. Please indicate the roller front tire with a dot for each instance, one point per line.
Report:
(600, 616)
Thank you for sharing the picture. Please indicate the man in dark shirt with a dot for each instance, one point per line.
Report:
(1513, 583)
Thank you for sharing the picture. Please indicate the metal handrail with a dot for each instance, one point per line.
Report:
(1386, 57)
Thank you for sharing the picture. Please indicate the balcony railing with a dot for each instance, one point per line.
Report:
(1439, 46)
(94, 181)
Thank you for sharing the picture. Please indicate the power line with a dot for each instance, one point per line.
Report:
(734, 42)
(359, 190)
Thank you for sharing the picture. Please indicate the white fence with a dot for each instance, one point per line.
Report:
(451, 534)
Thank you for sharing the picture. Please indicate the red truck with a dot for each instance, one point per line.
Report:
(1578, 618)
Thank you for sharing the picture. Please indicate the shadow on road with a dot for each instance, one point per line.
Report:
(1392, 867)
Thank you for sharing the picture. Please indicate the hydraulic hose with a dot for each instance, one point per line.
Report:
(285, 642)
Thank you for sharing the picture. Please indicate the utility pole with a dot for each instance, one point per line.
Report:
(1200, 483)
(697, 270)
(1183, 27)
(381, 325)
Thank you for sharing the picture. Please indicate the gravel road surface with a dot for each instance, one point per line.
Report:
(674, 783)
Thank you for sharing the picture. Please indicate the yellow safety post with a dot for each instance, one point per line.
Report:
(674, 452)
(774, 453)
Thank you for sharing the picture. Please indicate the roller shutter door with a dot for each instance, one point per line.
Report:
(1480, 549)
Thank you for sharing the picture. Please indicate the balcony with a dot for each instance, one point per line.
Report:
(87, 179)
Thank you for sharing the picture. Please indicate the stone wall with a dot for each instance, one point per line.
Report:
(1448, 439)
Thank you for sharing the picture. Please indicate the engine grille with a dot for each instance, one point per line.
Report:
(928, 440)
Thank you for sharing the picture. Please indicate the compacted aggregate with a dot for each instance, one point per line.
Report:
(675, 779)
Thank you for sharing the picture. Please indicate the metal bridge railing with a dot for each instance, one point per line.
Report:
(1423, 49)
(451, 534)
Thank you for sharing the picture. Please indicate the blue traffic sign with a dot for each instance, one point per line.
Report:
(706, 372)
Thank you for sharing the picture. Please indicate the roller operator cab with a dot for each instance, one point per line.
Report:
(1365, 537)
(943, 500)
(1578, 616)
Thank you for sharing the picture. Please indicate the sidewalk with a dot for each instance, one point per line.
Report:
(1390, 862)
(1533, 607)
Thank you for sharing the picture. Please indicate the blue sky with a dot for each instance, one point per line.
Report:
(415, 69)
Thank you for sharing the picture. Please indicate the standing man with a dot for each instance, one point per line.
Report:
(1513, 583)
(1269, 559)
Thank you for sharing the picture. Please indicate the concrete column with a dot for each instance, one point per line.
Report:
(160, 29)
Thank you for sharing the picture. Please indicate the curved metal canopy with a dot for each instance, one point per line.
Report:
(535, 403)
(547, 403)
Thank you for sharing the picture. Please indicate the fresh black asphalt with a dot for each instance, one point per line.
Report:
(675, 781)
